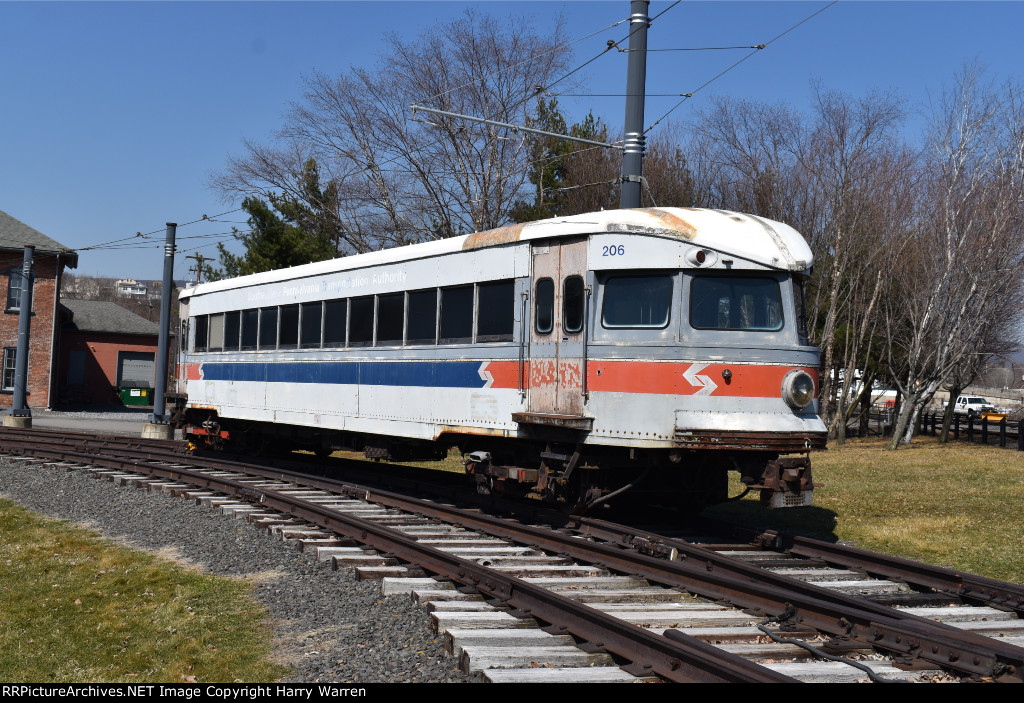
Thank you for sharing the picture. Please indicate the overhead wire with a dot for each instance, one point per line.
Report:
(702, 48)
(610, 45)
(197, 248)
(131, 242)
(685, 96)
(529, 58)
(663, 11)
(147, 235)
(612, 182)
(620, 95)
(208, 218)
(760, 47)
(114, 241)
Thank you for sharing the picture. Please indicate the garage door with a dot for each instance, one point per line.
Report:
(136, 369)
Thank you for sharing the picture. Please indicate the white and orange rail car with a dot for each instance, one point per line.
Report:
(572, 358)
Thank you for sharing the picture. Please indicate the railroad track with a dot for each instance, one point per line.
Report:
(592, 600)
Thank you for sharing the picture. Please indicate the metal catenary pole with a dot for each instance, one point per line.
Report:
(20, 408)
(160, 382)
(636, 81)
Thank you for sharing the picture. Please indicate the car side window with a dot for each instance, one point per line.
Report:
(544, 308)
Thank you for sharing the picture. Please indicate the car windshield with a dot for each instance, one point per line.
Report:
(977, 400)
(748, 303)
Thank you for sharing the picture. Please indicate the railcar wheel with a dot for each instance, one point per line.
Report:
(252, 442)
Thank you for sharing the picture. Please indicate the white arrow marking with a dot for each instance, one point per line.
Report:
(706, 385)
(485, 375)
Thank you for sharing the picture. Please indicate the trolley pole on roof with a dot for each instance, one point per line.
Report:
(21, 415)
(636, 81)
(158, 427)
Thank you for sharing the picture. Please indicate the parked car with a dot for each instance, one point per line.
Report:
(972, 406)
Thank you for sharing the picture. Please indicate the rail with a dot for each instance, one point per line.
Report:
(690, 568)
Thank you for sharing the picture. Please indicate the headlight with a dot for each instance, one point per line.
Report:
(798, 389)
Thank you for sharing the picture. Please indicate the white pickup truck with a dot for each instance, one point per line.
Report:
(972, 406)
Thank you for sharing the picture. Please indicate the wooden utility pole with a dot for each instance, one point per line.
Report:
(200, 259)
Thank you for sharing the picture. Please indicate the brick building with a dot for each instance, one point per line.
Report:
(104, 347)
(50, 260)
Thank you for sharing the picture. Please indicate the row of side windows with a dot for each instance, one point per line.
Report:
(481, 312)
(484, 312)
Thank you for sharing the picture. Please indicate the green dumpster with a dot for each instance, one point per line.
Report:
(133, 395)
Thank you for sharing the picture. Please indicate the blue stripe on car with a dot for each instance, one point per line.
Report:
(431, 374)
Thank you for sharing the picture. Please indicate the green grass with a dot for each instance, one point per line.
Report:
(77, 608)
(956, 505)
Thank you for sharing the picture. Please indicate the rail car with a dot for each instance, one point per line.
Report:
(642, 353)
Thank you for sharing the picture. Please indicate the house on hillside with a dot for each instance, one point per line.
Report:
(50, 260)
(129, 287)
(103, 349)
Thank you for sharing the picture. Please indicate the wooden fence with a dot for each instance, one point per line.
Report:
(1005, 433)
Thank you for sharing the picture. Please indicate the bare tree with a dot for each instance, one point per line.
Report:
(862, 179)
(395, 178)
(965, 258)
(747, 158)
(668, 171)
(835, 176)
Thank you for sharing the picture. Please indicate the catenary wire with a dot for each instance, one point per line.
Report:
(687, 96)
(529, 58)
(138, 235)
(611, 45)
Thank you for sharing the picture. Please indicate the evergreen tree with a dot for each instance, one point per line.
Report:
(276, 239)
(559, 166)
(547, 164)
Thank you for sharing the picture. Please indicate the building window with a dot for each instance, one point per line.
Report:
(15, 284)
(10, 354)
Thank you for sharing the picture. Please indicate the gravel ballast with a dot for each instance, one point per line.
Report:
(327, 625)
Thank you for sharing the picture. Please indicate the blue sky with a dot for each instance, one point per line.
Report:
(113, 115)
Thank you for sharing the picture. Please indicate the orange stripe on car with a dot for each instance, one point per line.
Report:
(666, 377)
